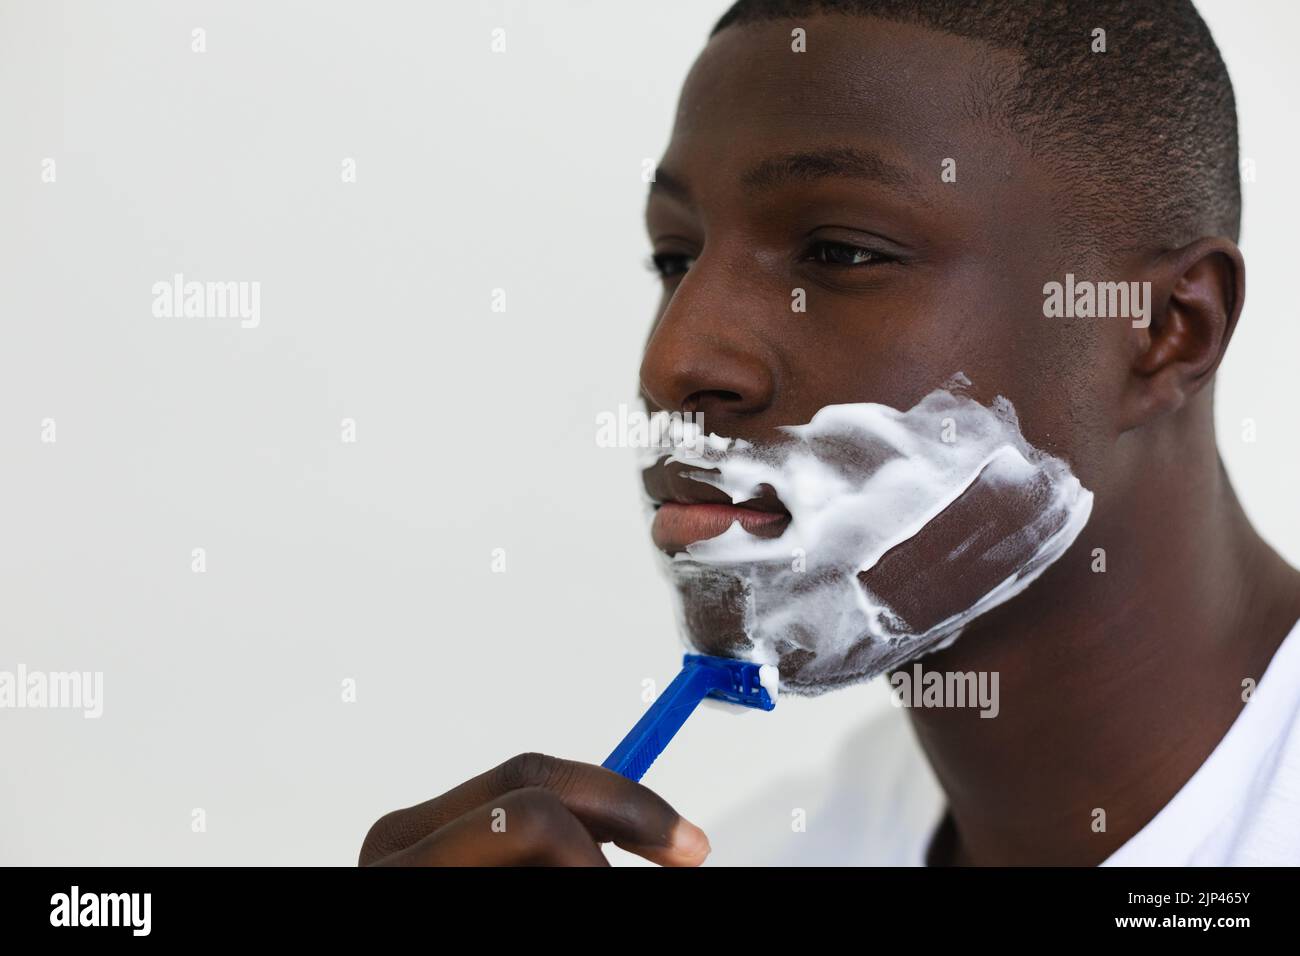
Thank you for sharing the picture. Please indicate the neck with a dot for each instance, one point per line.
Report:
(1115, 685)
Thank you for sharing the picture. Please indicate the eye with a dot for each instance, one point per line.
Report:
(844, 254)
(669, 264)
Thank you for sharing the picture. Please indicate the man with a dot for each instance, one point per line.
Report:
(926, 173)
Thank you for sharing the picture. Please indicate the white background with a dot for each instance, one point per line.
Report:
(475, 429)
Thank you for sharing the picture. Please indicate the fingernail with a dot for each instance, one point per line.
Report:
(689, 840)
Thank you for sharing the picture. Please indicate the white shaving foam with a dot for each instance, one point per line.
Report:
(859, 481)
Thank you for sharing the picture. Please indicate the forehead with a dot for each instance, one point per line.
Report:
(912, 95)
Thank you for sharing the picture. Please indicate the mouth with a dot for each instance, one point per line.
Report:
(678, 525)
(688, 510)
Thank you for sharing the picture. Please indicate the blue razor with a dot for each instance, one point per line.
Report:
(701, 676)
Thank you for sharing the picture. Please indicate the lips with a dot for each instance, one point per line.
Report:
(689, 510)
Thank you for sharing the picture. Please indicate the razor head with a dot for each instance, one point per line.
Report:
(737, 682)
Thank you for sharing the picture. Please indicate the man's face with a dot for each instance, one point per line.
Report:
(823, 171)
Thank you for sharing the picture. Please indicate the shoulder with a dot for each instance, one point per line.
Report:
(1269, 829)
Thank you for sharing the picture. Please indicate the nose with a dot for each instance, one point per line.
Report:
(706, 356)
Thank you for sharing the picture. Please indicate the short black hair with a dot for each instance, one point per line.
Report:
(1145, 134)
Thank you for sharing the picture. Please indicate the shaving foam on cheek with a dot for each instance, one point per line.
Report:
(905, 526)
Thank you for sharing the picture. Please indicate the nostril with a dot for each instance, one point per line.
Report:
(696, 399)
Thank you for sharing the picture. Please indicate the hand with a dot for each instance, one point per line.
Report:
(535, 810)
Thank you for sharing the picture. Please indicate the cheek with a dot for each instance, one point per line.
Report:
(1066, 392)
(1065, 378)
(895, 344)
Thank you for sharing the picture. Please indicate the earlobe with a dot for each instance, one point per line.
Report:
(1197, 294)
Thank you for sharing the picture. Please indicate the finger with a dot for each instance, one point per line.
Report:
(608, 804)
(529, 827)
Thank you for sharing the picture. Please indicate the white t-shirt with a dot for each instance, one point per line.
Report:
(879, 804)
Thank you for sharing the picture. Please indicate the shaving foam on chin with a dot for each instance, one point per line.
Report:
(853, 587)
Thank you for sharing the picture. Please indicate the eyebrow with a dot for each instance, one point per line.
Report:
(835, 162)
(846, 162)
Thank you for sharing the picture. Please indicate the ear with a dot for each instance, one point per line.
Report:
(1196, 297)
